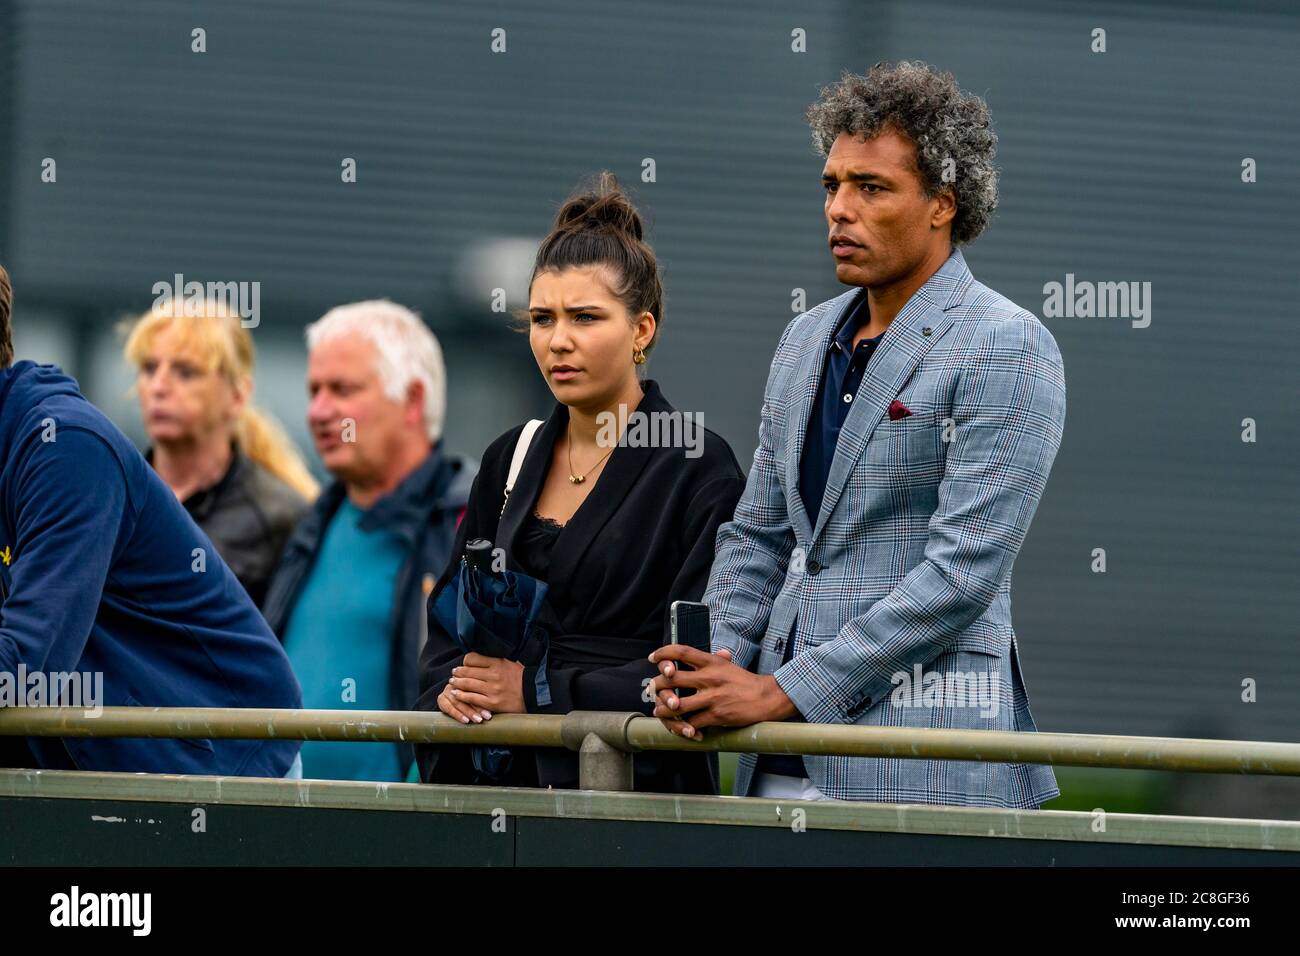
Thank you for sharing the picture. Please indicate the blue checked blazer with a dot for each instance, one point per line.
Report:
(909, 562)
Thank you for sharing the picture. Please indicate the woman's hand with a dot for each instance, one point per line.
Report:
(457, 710)
(491, 685)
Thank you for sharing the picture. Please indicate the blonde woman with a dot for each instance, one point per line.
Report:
(232, 467)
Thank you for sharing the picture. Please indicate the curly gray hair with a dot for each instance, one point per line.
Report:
(928, 108)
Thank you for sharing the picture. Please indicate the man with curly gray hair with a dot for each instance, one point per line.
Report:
(908, 428)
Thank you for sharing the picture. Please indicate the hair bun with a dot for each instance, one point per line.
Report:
(604, 207)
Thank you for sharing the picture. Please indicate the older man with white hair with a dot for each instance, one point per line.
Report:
(348, 599)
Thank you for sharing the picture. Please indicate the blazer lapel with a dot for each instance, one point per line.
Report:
(809, 373)
(922, 321)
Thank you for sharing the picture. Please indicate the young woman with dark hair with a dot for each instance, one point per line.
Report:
(618, 526)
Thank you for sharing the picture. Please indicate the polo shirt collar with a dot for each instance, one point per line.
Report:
(842, 340)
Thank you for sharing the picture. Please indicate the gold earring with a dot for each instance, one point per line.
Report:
(639, 356)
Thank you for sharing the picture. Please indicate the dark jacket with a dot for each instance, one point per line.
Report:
(249, 515)
(102, 571)
(643, 538)
(422, 511)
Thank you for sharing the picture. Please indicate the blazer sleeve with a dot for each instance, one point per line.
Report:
(753, 548)
(1009, 408)
(624, 687)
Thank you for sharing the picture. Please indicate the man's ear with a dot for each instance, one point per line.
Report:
(945, 208)
(414, 411)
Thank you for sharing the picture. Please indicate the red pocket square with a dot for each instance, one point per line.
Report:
(898, 410)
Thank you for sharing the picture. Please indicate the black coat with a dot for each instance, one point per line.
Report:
(249, 515)
(643, 538)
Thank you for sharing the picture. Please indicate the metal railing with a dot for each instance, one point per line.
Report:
(606, 741)
(103, 820)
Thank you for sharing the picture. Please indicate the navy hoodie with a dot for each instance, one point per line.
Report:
(102, 570)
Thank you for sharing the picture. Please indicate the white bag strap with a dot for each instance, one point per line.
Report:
(521, 452)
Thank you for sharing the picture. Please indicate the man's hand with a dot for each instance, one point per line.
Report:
(490, 685)
(725, 695)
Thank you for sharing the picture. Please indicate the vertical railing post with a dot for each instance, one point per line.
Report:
(604, 754)
(602, 767)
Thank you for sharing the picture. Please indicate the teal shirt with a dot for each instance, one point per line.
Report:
(339, 642)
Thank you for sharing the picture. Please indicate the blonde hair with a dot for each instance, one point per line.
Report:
(218, 341)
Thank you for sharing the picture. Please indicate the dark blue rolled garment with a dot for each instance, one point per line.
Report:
(496, 614)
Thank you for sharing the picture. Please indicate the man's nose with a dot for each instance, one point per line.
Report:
(320, 408)
(840, 208)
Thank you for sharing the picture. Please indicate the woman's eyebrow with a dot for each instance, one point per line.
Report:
(572, 308)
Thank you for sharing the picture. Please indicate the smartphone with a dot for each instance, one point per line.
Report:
(689, 625)
(689, 622)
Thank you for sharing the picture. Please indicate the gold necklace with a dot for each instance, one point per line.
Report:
(579, 479)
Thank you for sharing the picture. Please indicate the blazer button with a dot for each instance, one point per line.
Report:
(859, 708)
(814, 567)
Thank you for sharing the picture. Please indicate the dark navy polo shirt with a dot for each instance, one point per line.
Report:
(842, 371)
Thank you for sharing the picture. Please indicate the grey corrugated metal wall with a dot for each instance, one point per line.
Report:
(1127, 166)
(1116, 166)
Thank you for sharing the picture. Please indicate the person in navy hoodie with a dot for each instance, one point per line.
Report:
(103, 572)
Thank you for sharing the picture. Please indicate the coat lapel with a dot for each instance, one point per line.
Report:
(900, 351)
(615, 480)
(528, 484)
(809, 373)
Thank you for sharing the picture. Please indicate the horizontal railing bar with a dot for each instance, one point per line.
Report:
(217, 723)
(1068, 750)
(646, 733)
